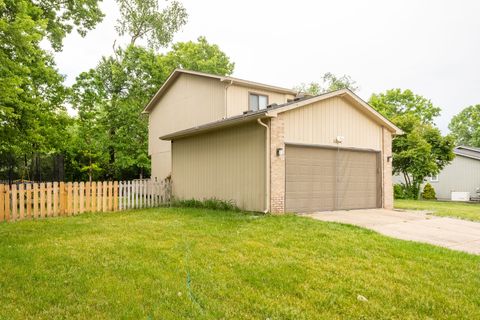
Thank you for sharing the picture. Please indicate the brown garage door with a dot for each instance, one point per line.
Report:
(319, 179)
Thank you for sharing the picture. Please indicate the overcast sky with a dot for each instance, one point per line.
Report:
(431, 47)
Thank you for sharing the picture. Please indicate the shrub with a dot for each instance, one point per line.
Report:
(429, 192)
(211, 203)
(401, 191)
(398, 191)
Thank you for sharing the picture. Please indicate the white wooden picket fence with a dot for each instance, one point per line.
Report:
(42, 200)
(144, 193)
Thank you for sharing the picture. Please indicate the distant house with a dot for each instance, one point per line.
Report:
(267, 148)
(461, 175)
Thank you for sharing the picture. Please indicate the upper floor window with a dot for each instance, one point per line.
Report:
(257, 101)
(434, 178)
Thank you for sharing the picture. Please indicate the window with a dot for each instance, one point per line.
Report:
(257, 101)
(434, 178)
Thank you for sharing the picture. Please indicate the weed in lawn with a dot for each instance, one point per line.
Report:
(211, 203)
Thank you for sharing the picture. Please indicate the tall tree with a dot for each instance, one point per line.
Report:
(398, 103)
(465, 126)
(330, 82)
(143, 19)
(32, 115)
(119, 88)
(422, 151)
(199, 56)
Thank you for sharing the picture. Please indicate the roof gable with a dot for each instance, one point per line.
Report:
(355, 100)
(228, 80)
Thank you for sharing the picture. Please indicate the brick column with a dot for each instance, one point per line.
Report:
(387, 169)
(277, 165)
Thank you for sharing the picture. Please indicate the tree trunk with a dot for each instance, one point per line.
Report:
(90, 169)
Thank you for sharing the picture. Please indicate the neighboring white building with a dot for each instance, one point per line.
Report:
(462, 175)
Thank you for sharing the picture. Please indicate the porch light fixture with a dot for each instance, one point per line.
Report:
(280, 152)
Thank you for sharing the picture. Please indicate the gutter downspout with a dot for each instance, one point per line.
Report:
(226, 98)
(267, 166)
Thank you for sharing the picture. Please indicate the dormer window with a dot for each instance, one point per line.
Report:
(257, 101)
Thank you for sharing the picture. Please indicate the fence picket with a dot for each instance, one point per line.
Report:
(21, 202)
(81, 199)
(2, 202)
(75, 198)
(63, 196)
(129, 194)
(115, 196)
(48, 189)
(110, 196)
(7, 203)
(55, 199)
(120, 195)
(87, 198)
(14, 202)
(94, 197)
(104, 196)
(69, 198)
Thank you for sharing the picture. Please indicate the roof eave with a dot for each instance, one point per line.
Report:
(467, 156)
(214, 126)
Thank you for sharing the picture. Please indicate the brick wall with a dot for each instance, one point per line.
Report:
(277, 165)
(387, 169)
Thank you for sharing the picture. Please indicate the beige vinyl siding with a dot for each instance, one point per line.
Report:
(192, 100)
(321, 122)
(160, 162)
(228, 164)
(237, 98)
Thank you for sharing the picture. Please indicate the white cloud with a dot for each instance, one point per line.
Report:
(428, 46)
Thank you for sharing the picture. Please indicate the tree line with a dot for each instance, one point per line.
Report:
(107, 138)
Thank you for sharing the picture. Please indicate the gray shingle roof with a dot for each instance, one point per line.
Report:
(470, 152)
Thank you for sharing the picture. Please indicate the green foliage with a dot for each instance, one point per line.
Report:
(397, 103)
(428, 192)
(398, 191)
(422, 151)
(143, 19)
(402, 191)
(32, 115)
(330, 82)
(212, 204)
(465, 126)
(199, 56)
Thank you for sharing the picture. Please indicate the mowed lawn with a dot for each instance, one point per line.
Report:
(468, 211)
(200, 264)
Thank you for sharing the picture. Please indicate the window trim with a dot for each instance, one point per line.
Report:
(250, 93)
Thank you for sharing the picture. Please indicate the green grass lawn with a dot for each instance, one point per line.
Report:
(469, 211)
(201, 264)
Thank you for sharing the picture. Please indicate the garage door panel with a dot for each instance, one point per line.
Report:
(328, 179)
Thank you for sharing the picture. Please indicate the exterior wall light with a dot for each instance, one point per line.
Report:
(280, 152)
(389, 158)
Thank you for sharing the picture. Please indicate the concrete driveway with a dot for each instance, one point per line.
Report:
(451, 233)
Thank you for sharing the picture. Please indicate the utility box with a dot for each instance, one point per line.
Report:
(460, 196)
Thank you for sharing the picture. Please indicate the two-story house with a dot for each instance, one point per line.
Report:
(266, 148)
